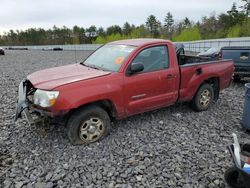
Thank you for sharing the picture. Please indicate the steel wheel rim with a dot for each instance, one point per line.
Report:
(205, 98)
(91, 130)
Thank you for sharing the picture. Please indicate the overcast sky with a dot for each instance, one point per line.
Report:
(23, 14)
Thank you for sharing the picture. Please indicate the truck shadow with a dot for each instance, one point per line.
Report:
(58, 132)
(159, 116)
(241, 82)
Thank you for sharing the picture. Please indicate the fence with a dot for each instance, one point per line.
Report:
(203, 45)
(195, 46)
(82, 47)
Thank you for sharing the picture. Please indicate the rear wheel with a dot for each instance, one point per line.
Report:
(203, 98)
(88, 125)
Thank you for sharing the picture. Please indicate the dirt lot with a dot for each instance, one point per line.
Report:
(171, 147)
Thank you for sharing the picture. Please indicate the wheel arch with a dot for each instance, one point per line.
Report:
(215, 83)
(106, 104)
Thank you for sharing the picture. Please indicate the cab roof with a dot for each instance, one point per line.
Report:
(139, 42)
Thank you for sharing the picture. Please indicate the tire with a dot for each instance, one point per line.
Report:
(233, 178)
(88, 125)
(203, 98)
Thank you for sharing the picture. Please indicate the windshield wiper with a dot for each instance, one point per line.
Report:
(91, 66)
(82, 63)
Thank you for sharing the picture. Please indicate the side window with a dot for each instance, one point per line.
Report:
(153, 58)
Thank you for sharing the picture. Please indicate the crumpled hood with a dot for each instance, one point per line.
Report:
(49, 79)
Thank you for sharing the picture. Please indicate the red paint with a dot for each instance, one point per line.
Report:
(49, 79)
(79, 85)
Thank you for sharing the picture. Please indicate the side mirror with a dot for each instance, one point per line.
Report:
(136, 67)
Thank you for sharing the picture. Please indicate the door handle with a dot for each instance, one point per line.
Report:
(170, 76)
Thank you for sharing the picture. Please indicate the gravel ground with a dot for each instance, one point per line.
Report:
(171, 147)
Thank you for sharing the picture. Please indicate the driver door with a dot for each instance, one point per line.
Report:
(153, 87)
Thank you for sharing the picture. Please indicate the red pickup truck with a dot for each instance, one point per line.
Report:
(120, 79)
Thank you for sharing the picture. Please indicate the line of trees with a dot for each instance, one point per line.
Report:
(234, 23)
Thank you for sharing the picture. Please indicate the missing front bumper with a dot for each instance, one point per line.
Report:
(34, 116)
(22, 103)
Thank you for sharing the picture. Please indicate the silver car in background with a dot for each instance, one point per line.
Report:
(211, 53)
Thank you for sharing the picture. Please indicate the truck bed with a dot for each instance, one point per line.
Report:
(194, 73)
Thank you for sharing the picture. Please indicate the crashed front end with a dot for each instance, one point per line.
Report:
(35, 104)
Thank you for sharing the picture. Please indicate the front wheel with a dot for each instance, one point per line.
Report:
(203, 98)
(88, 125)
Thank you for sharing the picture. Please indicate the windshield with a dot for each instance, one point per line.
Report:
(109, 57)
